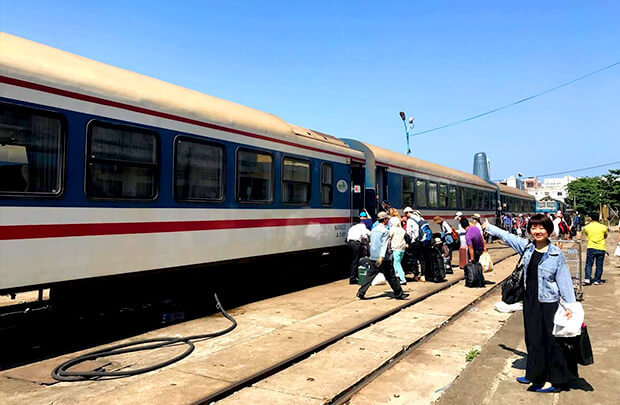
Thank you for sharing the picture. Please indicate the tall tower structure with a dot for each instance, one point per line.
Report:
(482, 165)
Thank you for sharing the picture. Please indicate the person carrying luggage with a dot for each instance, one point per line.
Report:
(380, 262)
(398, 245)
(420, 235)
(356, 240)
(449, 242)
(475, 242)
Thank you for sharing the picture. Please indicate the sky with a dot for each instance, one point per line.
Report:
(348, 68)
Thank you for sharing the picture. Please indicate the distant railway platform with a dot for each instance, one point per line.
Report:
(325, 329)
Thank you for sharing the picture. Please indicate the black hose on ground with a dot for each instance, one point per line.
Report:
(62, 373)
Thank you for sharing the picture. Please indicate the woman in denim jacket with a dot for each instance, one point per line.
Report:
(546, 278)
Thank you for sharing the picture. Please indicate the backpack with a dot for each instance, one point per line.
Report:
(563, 227)
(425, 234)
(455, 235)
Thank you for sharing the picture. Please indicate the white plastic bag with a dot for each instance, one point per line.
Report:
(564, 327)
(486, 262)
(501, 306)
(379, 280)
(617, 253)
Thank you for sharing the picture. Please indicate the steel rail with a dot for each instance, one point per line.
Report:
(304, 354)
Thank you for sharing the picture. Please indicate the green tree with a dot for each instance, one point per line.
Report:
(584, 193)
(609, 186)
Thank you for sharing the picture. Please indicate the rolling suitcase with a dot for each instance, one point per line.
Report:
(437, 270)
(462, 257)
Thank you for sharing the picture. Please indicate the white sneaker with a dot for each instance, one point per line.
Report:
(586, 281)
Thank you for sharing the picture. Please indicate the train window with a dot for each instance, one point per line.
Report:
(31, 146)
(480, 199)
(295, 181)
(327, 184)
(443, 196)
(122, 162)
(198, 170)
(254, 176)
(407, 192)
(461, 197)
(432, 194)
(420, 193)
(469, 198)
(451, 196)
(486, 200)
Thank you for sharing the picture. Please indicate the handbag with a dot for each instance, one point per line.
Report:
(579, 347)
(513, 288)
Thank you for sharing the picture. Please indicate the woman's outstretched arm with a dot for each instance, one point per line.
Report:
(515, 242)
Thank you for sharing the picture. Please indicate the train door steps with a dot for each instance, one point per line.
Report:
(269, 332)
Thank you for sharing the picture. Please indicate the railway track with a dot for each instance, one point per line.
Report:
(347, 393)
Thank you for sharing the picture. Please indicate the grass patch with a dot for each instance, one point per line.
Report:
(472, 354)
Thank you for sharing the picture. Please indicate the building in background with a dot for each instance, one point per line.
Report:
(555, 188)
(514, 182)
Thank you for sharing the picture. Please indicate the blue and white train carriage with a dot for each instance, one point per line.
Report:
(106, 172)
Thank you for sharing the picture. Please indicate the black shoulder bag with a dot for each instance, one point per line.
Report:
(513, 288)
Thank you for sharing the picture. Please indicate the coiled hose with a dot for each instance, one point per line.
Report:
(61, 372)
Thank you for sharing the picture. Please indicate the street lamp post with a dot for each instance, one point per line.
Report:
(407, 128)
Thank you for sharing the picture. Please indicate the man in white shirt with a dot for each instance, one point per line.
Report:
(357, 235)
(416, 252)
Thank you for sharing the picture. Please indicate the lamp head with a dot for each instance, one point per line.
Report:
(411, 120)
(402, 115)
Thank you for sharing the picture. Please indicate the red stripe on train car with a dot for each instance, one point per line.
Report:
(14, 232)
(142, 110)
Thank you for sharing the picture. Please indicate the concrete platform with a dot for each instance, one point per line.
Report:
(491, 377)
(269, 331)
(329, 372)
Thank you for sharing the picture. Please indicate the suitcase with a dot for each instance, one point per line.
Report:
(462, 257)
(437, 270)
(473, 275)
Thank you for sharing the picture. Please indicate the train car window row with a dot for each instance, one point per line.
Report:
(198, 170)
(327, 184)
(295, 181)
(122, 162)
(429, 194)
(31, 152)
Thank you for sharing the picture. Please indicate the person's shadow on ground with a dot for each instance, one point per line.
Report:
(579, 384)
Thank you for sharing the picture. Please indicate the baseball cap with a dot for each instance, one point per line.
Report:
(363, 214)
(408, 209)
(458, 214)
(382, 215)
(437, 219)
(476, 215)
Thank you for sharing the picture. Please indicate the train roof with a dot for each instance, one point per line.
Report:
(385, 157)
(32, 62)
(515, 192)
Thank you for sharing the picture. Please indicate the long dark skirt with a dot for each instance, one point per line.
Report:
(547, 359)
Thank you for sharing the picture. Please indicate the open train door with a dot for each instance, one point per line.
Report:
(357, 189)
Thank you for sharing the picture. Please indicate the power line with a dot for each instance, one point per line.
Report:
(575, 170)
(516, 102)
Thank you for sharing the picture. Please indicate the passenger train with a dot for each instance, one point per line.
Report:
(106, 173)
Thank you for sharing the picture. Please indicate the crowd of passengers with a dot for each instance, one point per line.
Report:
(396, 245)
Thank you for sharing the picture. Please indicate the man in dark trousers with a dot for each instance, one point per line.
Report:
(379, 242)
(356, 239)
